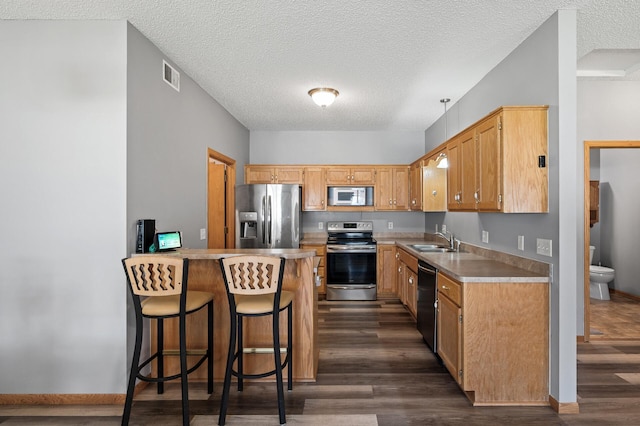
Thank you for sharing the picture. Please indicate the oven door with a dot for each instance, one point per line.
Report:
(351, 273)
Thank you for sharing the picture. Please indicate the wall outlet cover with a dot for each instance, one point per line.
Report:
(544, 247)
(320, 225)
(521, 242)
(485, 236)
(203, 233)
(390, 225)
(444, 228)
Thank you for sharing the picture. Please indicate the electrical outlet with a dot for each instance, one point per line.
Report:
(444, 228)
(436, 228)
(203, 234)
(390, 225)
(485, 236)
(543, 247)
(320, 225)
(521, 242)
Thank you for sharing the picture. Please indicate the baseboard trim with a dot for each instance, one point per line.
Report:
(625, 294)
(68, 398)
(62, 399)
(564, 407)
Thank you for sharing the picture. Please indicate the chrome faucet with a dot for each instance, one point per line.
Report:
(451, 241)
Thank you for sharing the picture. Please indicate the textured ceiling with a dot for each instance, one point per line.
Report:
(392, 61)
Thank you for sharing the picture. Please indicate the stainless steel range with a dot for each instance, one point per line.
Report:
(351, 261)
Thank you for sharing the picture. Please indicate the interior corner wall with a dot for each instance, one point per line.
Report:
(169, 133)
(63, 186)
(535, 73)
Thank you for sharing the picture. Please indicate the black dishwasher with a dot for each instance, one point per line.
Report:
(427, 304)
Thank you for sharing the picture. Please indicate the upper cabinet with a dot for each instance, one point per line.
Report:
(392, 188)
(415, 185)
(434, 185)
(499, 163)
(314, 190)
(351, 175)
(273, 174)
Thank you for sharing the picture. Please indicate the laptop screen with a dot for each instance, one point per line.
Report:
(168, 240)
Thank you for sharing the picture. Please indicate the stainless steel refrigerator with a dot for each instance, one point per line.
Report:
(268, 216)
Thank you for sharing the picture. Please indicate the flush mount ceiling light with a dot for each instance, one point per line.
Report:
(323, 96)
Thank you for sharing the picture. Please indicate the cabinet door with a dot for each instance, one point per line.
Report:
(363, 175)
(415, 186)
(467, 162)
(489, 173)
(384, 189)
(449, 336)
(314, 189)
(387, 270)
(259, 174)
(434, 184)
(401, 188)
(402, 284)
(412, 292)
(338, 175)
(453, 175)
(289, 175)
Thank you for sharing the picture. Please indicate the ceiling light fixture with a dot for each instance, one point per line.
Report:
(323, 96)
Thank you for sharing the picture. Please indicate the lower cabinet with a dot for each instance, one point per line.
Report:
(407, 279)
(321, 251)
(493, 337)
(386, 271)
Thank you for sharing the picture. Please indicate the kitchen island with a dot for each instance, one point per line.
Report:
(205, 275)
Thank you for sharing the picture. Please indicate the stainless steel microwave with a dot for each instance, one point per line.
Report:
(350, 196)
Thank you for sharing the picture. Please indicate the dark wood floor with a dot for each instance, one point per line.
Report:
(375, 370)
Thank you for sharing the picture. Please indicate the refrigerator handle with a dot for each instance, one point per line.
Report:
(264, 213)
(269, 220)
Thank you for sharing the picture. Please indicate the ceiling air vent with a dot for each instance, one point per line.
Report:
(170, 75)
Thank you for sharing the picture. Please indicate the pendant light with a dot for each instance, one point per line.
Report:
(442, 162)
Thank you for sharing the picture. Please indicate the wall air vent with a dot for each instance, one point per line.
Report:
(170, 75)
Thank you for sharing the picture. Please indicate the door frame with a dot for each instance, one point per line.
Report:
(588, 145)
(230, 223)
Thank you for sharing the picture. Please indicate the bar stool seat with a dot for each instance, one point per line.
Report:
(158, 286)
(254, 288)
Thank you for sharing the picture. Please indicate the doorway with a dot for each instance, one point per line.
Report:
(221, 180)
(588, 145)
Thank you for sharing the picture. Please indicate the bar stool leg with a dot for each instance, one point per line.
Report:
(134, 373)
(210, 347)
(160, 350)
(278, 365)
(183, 371)
(240, 353)
(227, 375)
(289, 346)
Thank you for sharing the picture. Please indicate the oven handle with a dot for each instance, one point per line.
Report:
(350, 250)
(352, 287)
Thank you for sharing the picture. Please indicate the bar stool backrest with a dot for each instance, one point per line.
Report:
(252, 275)
(155, 275)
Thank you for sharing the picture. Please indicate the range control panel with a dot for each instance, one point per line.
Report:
(349, 226)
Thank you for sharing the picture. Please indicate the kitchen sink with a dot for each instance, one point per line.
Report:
(430, 248)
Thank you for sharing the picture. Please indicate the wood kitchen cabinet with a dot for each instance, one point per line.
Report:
(408, 276)
(493, 337)
(415, 185)
(392, 188)
(434, 185)
(321, 251)
(461, 173)
(386, 273)
(594, 202)
(314, 189)
(499, 163)
(273, 174)
(350, 175)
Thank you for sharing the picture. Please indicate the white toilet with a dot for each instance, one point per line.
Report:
(599, 278)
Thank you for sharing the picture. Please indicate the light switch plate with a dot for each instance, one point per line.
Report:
(203, 233)
(485, 236)
(521, 242)
(444, 228)
(544, 247)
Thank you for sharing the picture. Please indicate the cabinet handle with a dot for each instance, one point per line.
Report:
(444, 287)
(476, 196)
(395, 202)
(390, 202)
(410, 281)
(434, 193)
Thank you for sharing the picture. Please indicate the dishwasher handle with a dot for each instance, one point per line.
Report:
(427, 269)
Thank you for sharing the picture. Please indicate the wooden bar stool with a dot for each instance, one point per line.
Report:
(162, 281)
(254, 288)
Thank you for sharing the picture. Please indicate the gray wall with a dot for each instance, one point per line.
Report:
(63, 174)
(348, 147)
(540, 71)
(90, 127)
(607, 110)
